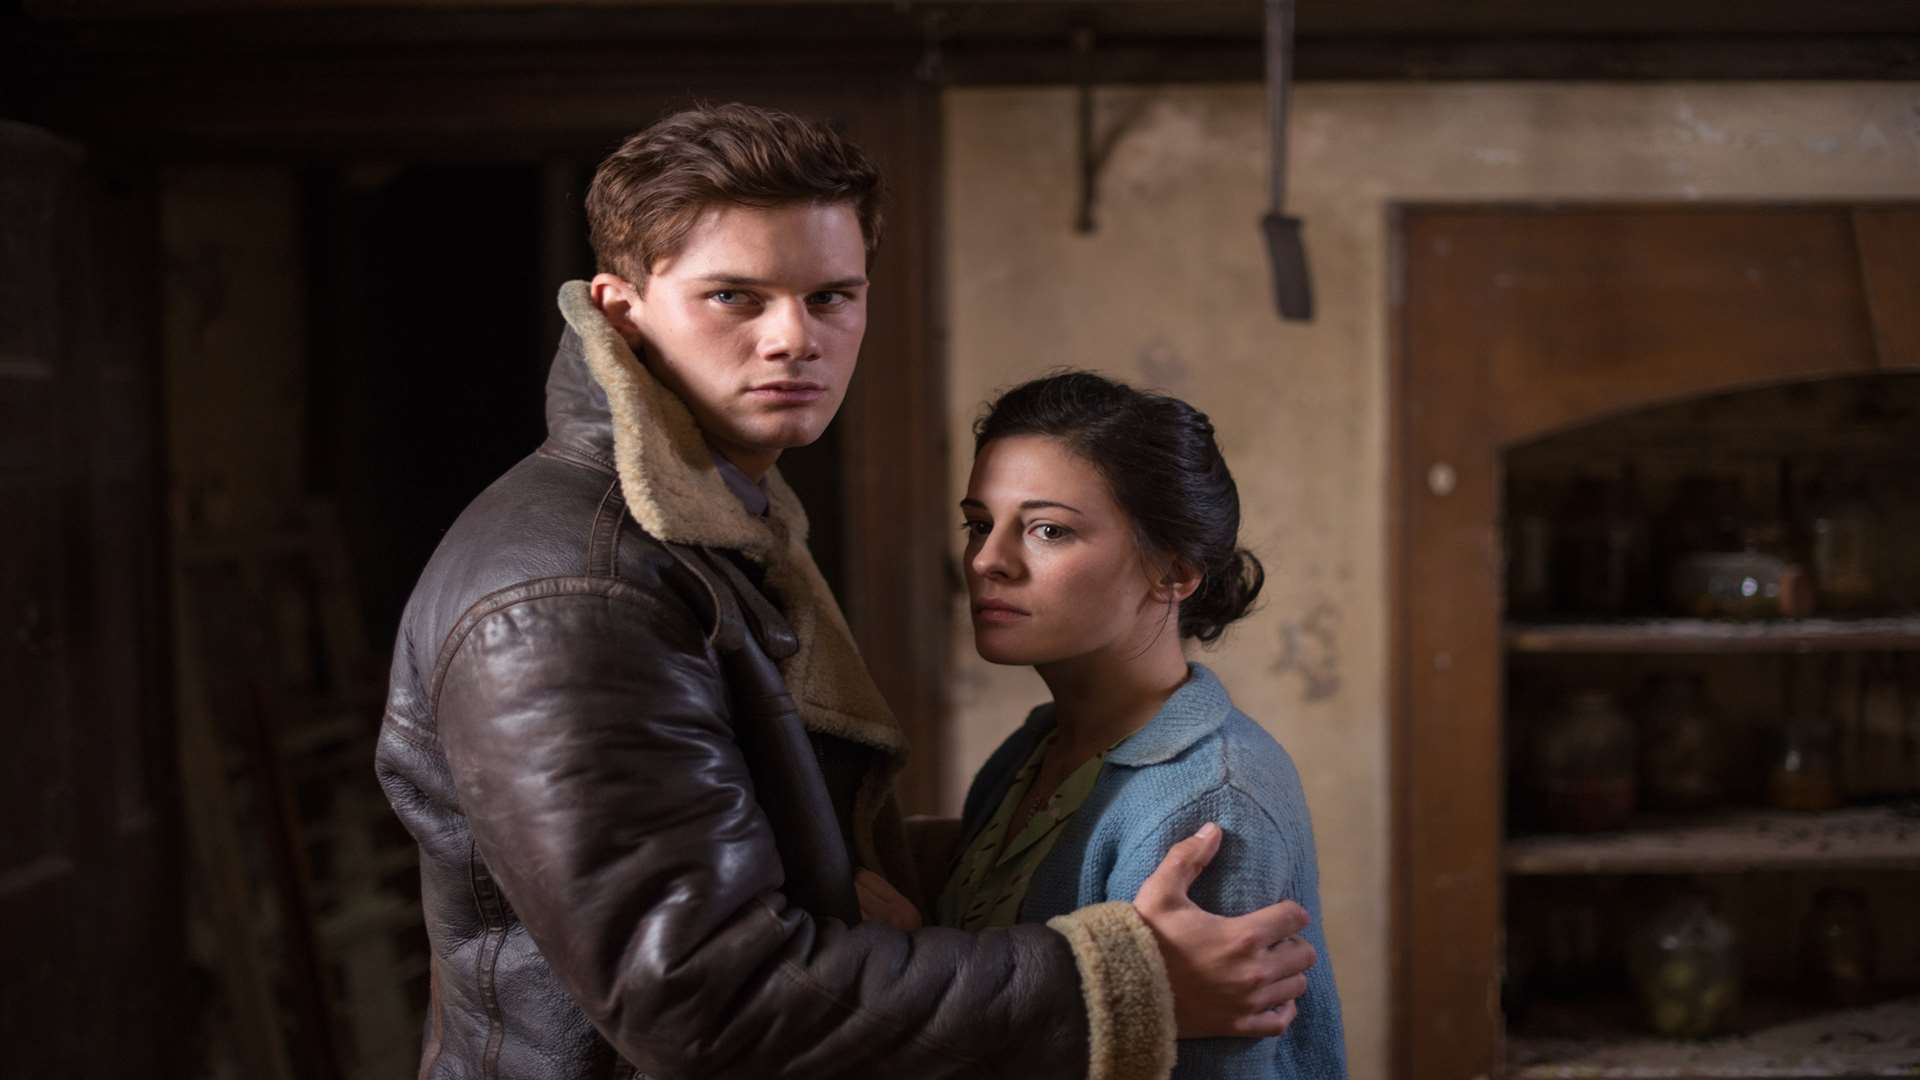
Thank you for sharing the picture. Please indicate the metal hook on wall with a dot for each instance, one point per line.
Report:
(1095, 149)
(1286, 248)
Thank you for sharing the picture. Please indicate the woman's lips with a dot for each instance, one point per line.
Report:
(998, 613)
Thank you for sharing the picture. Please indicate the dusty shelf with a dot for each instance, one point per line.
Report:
(1782, 1041)
(1870, 838)
(1891, 634)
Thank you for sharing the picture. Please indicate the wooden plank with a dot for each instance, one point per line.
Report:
(1874, 838)
(1889, 242)
(1784, 1044)
(893, 447)
(1446, 729)
(1608, 309)
(1718, 636)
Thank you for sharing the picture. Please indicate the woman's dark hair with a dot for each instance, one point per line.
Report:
(1158, 457)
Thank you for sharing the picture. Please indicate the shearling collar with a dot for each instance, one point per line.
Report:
(675, 491)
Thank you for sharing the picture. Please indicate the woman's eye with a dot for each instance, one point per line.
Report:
(976, 528)
(1052, 532)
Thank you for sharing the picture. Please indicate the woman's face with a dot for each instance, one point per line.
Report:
(1053, 569)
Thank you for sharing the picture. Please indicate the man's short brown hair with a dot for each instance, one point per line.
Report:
(647, 194)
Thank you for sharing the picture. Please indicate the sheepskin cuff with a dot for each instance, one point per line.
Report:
(1129, 1002)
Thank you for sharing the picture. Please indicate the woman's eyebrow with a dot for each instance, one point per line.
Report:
(1030, 504)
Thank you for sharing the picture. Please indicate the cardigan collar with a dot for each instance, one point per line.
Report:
(1195, 711)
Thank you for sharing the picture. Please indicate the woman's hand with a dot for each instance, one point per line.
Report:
(881, 902)
(1230, 976)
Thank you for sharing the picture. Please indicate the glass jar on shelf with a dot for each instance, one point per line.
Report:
(1804, 777)
(1581, 764)
(1837, 948)
(1682, 748)
(1706, 514)
(1686, 968)
(1740, 585)
(1846, 547)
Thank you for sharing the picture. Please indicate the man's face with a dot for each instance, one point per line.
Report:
(756, 323)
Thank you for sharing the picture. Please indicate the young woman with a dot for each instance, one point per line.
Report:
(1102, 535)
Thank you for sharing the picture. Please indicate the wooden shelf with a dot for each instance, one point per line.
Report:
(1873, 838)
(1900, 633)
(1781, 1042)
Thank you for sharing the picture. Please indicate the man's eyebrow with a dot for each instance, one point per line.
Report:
(760, 283)
(1030, 504)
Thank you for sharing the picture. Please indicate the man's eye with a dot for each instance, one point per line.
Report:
(826, 299)
(728, 296)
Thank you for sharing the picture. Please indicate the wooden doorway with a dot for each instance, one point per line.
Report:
(1519, 321)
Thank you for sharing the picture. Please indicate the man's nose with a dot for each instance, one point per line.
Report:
(787, 332)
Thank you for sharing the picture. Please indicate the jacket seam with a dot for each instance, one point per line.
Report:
(486, 963)
(513, 596)
(408, 731)
(1160, 823)
(578, 458)
(595, 567)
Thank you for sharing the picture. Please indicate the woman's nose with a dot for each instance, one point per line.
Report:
(992, 558)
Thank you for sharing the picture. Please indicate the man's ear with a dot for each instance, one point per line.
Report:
(621, 303)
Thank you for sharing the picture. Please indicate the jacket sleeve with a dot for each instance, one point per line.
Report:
(591, 749)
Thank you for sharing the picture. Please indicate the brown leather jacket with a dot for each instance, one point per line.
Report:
(629, 731)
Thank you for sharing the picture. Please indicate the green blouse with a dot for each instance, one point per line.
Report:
(990, 880)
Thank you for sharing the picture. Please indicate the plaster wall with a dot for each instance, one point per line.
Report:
(1172, 291)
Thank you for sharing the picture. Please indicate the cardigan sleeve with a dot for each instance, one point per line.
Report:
(1263, 859)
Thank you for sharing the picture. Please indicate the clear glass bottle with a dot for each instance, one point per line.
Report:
(1582, 764)
(1686, 966)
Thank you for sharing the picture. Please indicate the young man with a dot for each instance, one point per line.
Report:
(631, 733)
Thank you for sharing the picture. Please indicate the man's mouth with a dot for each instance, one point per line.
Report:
(790, 391)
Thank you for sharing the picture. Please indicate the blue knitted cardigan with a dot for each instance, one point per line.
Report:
(1198, 760)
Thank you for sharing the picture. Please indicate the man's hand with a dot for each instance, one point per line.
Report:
(881, 902)
(1230, 976)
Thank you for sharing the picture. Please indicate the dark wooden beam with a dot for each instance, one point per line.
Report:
(1323, 59)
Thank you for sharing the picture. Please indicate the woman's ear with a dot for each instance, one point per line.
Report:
(1174, 580)
(621, 303)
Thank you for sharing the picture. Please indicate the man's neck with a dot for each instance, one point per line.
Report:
(753, 464)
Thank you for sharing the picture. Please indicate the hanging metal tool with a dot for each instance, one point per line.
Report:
(1286, 249)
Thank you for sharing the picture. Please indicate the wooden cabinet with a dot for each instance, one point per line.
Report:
(1535, 339)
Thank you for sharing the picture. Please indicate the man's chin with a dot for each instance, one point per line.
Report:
(784, 433)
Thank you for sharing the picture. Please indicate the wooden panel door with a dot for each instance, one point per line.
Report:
(89, 873)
